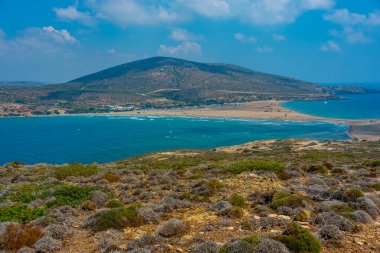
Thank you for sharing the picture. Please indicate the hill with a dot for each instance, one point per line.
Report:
(189, 82)
(166, 82)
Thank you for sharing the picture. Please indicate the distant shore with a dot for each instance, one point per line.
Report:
(269, 109)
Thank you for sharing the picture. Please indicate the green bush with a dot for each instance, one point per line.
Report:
(237, 200)
(376, 186)
(286, 199)
(354, 194)
(114, 203)
(20, 213)
(70, 195)
(316, 169)
(252, 165)
(26, 193)
(75, 170)
(116, 218)
(373, 163)
(299, 239)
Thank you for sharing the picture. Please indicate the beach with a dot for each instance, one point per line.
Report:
(270, 109)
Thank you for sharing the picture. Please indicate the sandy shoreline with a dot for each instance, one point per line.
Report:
(271, 109)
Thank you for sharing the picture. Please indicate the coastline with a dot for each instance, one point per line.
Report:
(268, 109)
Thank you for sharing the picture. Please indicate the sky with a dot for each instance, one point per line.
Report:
(313, 40)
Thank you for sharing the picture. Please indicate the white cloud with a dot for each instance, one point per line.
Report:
(355, 27)
(183, 35)
(318, 4)
(355, 36)
(60, 36)
(186, 49)
(264, 49)
(330, 46)
(36, 41)
(208, 8)
(128, 12)
(71, 13)
(347, 18)
(244, 38)
(279, 37)
(275, 11)
(149, 12)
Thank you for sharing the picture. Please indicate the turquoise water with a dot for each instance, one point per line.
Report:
(104, 139)
(363, 106)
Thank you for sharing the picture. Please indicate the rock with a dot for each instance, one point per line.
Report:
(357, 241)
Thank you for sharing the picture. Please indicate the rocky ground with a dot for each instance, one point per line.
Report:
(269, 196)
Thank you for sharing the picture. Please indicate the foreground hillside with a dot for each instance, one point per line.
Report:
(160, 82)
(269, 196)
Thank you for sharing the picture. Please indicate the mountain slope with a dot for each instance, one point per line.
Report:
(187, 81)
(162, 81)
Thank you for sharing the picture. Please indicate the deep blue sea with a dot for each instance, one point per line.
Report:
(363, 106)
(101, 139)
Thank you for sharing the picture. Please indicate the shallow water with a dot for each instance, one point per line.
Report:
(108, 138)
(363, 106)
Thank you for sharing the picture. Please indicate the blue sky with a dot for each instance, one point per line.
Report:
(313, 40)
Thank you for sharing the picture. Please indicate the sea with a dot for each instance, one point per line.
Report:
(358, 106)
(87, 139)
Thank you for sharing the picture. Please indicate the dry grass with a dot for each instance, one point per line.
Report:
(18, 236)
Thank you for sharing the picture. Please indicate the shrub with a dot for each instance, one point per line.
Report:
(206, 187)
(99, 198)
(220, 206)
(267, 245)
(299, 239)
(149, 215)
(116, 218)
(338, 207)
(373, 163)
(237, 246)
(173, 227)
(47, 244)
(252, 165)
(376, 186)
(233, 212)
(354, 194)
(108, 239)
(57, 231)
(205, 247)
(144, 241)
(114, 203)
(331, 218)
(20, 213)
(75, 170)
(362, 217)
(111, 178)
(245, 245)
(330, 232)
(69, 195)
(237, 200)
(270, 223)
(317, 169)
(286, 199)
(26, 250)
(88, 205)
(16, 236)
(369, 206)
(26, 193)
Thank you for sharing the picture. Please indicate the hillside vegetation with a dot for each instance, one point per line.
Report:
(262, 197)
(165, 82)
